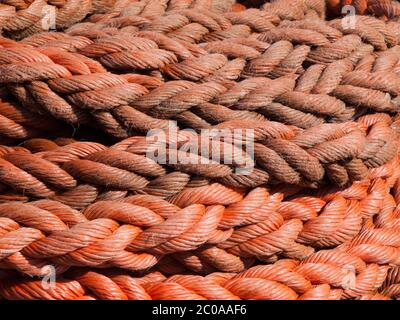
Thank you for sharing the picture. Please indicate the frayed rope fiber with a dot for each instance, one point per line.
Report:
(82, 83)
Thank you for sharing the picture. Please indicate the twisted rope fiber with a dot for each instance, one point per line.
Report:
(23, 18)
(345, 272)
(311, 103)
(301, 157)
(17, 124)
(386, 8)
(323, 276)
(316, 219)
(76, 115)
(142, 231)
(299, 9)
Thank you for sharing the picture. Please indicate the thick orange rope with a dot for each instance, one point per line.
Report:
(316, 218)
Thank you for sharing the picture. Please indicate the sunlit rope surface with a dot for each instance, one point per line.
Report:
(317, 217)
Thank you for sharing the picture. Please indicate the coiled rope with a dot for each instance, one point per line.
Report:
(316, 218)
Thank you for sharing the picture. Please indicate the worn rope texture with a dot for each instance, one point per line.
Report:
(344, 81)
(154, 8)
(391, 286)
(17, 123)
(386, 8)
(22, 18)
(205, 229)
(37, 145)
(296, 9)
(59, 107)
(370, 93)
(339, 152)
(326, 275)
(134, 66)
(312, 9)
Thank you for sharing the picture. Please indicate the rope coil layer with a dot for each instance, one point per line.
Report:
(89, 90)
